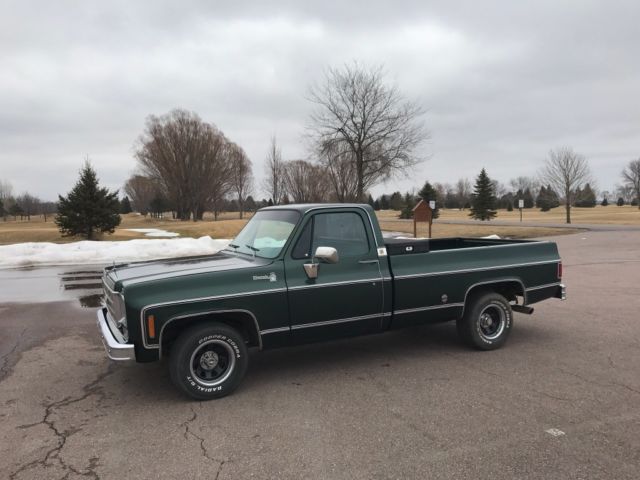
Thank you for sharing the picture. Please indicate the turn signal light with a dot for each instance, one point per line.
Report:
(151, 326)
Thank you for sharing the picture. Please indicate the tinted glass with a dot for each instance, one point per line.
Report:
(343, 231)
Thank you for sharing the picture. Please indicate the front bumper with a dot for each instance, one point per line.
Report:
(117, 351)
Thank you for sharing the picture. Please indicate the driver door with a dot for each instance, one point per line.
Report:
(346, 298)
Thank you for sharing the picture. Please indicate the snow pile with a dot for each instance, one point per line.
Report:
(153, 232)
(88, 252)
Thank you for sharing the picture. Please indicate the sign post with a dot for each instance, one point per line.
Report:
(423, 212)
(521, 206)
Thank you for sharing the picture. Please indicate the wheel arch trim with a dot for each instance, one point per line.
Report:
(515, 280)
(210, 313)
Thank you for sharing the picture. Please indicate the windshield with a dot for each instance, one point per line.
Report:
(266, 233)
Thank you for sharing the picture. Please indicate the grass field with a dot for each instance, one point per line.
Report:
(228, 225)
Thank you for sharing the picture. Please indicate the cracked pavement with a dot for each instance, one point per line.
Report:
(409, 404)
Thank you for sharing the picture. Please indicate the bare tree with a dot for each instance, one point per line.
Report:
(29, 204)
(273, 182)
(525, 183)
(339, 165)
(241, 174)
(356, 110)
(565, 170)
(141, 190)
(463, 192)
(187, 158)
(631, 178)
(305, 182)
(6, 198)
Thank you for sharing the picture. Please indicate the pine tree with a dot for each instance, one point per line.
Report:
(370, 201)
(528, 199)
(620, 201)
(88, 209)
(428, 193)
(585, 198)
(605, 202)
(125, 206)
(484, 199)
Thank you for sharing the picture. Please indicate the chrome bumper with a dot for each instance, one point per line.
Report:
(561, 293)
(119, 352)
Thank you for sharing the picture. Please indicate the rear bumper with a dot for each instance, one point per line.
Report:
(561, 292)
(119, 352)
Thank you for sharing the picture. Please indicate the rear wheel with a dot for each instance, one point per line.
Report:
(486, 322)
(208, 361)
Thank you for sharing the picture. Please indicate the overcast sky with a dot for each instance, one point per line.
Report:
(502, 81)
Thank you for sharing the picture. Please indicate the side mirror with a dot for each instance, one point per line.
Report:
(326, 254)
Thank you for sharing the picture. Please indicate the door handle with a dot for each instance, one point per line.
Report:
(369, 261)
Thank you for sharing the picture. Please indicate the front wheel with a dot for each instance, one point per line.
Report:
(208, 361)
(486, 322)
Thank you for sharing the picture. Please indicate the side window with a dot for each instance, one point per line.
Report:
(303, 245)
(343, 231)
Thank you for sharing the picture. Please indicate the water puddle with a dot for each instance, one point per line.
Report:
(81, 285)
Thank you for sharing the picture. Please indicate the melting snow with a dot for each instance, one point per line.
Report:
(153, 232)
(105, 252)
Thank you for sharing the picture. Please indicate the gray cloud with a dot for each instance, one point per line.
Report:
(503, 82)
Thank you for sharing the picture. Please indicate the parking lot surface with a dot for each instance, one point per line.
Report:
(560, 400)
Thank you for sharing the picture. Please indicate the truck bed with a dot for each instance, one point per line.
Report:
(436, 275)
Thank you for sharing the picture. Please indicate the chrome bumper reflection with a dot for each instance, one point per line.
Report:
(120, 352)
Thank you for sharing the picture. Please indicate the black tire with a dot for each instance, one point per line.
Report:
(208, 361)
(486, 322)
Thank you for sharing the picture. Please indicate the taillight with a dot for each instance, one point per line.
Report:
(559, 270)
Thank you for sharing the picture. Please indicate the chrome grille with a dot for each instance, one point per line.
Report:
(114, 302)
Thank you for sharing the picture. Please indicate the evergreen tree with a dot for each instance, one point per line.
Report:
(484, 198)
(384, 202)
(409, 203)
(585, 198)
(428, 193)
(158, 206)
(270, 203)
(16, 210)
(376, 205)
(370, 201)
(250, 204)
(620, 201)
(88, 209)
(395, 202)
(605, 202)
(125, 206)
(528, 199)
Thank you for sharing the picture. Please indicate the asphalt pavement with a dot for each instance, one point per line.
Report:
(560, 400)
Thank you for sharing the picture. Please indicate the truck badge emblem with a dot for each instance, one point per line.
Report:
(272, 277)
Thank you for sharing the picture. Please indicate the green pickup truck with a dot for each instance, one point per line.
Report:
(305, 273)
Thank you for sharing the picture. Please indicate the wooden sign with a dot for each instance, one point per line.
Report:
(422, 212)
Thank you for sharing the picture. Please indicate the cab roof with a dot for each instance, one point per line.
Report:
(305, 207)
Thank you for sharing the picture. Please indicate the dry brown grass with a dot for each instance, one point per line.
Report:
(446, 230)
(228, 225)
(625, 215)
(37, 230)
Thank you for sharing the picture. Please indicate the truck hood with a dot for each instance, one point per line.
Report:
(121, 275)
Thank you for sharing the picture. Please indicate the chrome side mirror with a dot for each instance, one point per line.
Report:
(326, 254)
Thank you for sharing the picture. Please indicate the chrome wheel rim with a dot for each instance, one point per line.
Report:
(212, 362)
(492, 322)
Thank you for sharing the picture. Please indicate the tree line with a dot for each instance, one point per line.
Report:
(361, 131)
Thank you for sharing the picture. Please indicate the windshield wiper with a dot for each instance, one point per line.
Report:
(234, 246)
(253, 249)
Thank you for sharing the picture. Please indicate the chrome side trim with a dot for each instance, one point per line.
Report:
(431, 307)
(214, 312)
(274, 330)
(491, 282)
(119, 352)
(194, 300)
(333, 284)
(468, 270)
(338, 320)
(541, 287)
